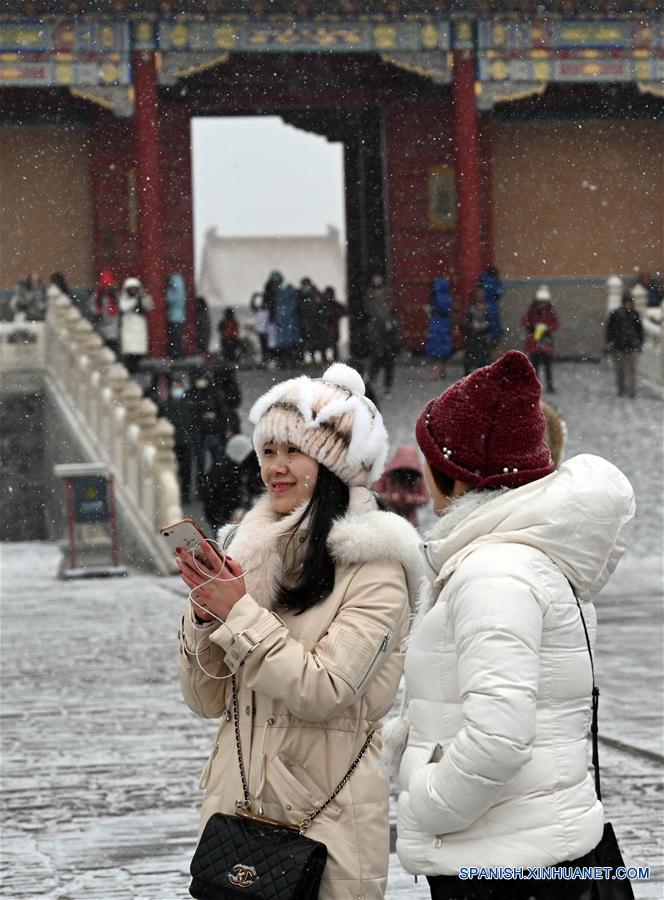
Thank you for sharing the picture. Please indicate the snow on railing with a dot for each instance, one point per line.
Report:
(121, 428)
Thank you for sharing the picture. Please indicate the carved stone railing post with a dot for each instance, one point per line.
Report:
(116, 379)
(102, 361)
(167, 487)
(121, 423)
(124, 414)
(149, 417)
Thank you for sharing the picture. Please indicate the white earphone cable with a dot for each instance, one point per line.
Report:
(210, 579)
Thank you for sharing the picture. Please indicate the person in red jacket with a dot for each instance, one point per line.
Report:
(229, 336)
(402, 488)
(540, 322)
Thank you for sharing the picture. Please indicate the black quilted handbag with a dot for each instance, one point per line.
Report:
(247, 855)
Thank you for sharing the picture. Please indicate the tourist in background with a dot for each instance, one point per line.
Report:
(476, 328)
(177, 407)
(489, 281)
(134, 304)
(176, 313)
(208, 425)
(28, 303)
(624, 340)
(439, 345)
(229, 336)
(377, 296)
(541, 322)
(261, 324)
(385, 343)
(159, 389)
(314, 312)
(335, 312)
(58, 286)
(285, 330)
(203, 326)
(401, 488)
(105, 310)
(224, 492)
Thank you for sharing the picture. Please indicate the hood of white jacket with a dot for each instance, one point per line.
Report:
(579, 516)
(364, 534)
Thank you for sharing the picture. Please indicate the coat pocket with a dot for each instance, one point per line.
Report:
(293, 786)
(377, 660)
(354, 657)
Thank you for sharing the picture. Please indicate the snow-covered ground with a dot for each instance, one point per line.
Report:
(101, 758)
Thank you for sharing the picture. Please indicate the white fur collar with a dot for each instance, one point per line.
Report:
(364, 534)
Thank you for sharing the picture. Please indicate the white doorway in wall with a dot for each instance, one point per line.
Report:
(266, 196)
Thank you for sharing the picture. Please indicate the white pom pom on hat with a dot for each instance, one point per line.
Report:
(345, 377)
(238, 448)
(329, 419)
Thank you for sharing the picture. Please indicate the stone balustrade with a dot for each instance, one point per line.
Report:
(122, 427)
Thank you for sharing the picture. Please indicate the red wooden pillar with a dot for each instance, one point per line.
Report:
(486, 147)
(466, 141)
(150, 237)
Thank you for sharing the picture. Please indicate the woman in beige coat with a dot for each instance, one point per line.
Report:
(315, 602)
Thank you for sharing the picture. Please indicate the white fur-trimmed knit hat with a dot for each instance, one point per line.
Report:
(329, 419)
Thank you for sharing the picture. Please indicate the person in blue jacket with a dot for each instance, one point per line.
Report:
(492, 286)
(439, 346)
(176, 300)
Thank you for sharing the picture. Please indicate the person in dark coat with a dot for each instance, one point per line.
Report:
(624, 339)
(377, 298)
(476, 328)
(314, 313)
(28, 304)
(212, 421)
(385, 343)
(335, 312)
(159, 389)
(233, 483)
(439, 346)
(178, 409)
(203, 327)
(229, 335)
(541, 322)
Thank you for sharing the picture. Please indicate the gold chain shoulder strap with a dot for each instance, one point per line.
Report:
(308, 819)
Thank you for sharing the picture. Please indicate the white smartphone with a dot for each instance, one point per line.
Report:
(185, 534)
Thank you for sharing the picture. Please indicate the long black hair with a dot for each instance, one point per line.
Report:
(315, 580)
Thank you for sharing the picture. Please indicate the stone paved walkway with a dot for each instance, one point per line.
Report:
(101, 758)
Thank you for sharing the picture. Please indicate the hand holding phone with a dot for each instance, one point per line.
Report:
(217, 589)
(187, 535)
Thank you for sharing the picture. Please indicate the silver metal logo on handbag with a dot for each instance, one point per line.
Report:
(242, 876)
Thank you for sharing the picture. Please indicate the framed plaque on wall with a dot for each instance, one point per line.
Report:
(442, 198)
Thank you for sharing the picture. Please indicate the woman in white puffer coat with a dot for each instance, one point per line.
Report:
(495, 772)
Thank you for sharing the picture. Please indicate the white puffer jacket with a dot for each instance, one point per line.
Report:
(498, 674)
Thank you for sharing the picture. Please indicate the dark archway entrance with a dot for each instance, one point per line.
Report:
(341, 99)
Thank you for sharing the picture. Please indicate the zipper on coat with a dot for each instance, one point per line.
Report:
(387, 637)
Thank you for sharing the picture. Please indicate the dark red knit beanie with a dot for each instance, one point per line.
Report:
(488, 429)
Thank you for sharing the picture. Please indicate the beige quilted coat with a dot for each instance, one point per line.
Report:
(313, 688)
